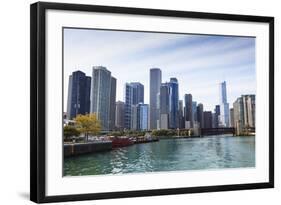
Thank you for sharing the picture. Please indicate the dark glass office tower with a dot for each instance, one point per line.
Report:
(188, 115)
(174, 103)
(79, 87)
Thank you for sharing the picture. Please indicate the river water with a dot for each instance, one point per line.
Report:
(212, 152)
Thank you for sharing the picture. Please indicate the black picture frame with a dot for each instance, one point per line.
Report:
(38, 100)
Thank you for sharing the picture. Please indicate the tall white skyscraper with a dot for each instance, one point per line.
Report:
(224, 106)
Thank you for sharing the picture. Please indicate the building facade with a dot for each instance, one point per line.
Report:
(119, 116)
(216, 116)
(224, 106)
(155, 81)
(200, 115)
(143, 117)
(174, 103)
(188, 115)
(164, 106)
(181, 115)
(79, 87)
(101, 91)
(244, 109)
(208, 119)
(112, 108)
(139, 118)
(134, 94)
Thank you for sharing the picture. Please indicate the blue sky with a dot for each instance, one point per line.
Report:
(199, 62)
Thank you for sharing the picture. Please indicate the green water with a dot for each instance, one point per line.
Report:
(213, 152)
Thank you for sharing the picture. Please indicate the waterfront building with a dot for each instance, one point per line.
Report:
(238, 115)
(194, 111)
(244, 113)
(208, 119)
(181, 115)
(155, 83)
(112, 108)
(78, 102)
(139, 117)
(119, 118)
(164, 106)
(174, 103)
(134, 117)
(188, 110)
(249, 104)
(134, 94)
(214, 120)
(216, 116)
(224, 106)
(143, 117)
(101, 91)
(200, 115)
(231, 121)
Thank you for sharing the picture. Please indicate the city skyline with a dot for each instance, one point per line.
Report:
(195, 60)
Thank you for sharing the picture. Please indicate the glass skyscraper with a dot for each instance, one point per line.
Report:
(139, 117)
(134, 94)
(143, 117)
(188, 115)
(112, 108)
(102, 93)
(200, 115)
(164, 106)
(155, 83)
(224, 106)
(78, 101)
(174, 103)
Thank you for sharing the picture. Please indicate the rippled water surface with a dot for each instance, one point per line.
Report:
(168, 155)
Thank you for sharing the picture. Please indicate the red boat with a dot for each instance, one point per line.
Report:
(121, 142)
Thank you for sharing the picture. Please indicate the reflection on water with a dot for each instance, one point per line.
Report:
(168, 155)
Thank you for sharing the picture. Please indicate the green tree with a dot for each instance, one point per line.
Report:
(88, 124)
(70, 131)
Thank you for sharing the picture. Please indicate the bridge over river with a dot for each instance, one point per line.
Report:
(218, 131)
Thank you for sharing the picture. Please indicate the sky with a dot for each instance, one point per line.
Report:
(199, 62)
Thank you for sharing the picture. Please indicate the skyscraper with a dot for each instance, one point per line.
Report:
(143, 116)
(78, 101)
(231, 118)
(134, 94)
(200, 115)
(112, 108)
(224, 106)
(101, 91)
(164, 106)
(208, 119)
(249, 104)
(244, 113)
(216, 116)
(174, 103)
(194, 110)
(188, 111)
(238, 115)
(181, 115)
(119, 118)
(155, 83)
(139, 117)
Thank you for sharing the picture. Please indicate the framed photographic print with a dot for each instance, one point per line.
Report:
(129, 102)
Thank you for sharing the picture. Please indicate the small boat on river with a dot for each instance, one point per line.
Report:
(121, 141)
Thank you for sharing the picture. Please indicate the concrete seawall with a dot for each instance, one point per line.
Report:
(86, 148)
